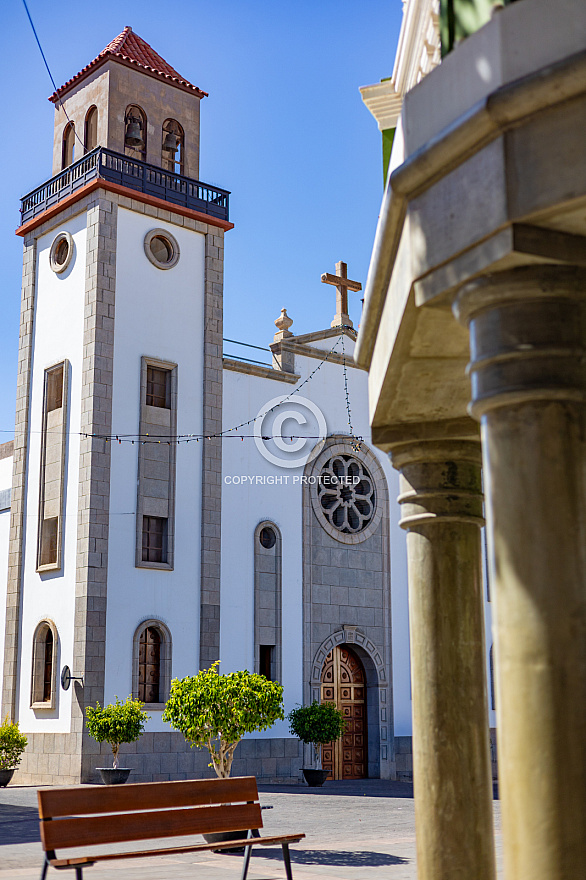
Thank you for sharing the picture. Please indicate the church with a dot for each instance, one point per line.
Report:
(172, 498)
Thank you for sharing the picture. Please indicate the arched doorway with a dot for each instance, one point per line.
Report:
(343, 682)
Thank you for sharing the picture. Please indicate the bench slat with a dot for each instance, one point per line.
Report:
(96, 830)
(68, 801)
(175, 850)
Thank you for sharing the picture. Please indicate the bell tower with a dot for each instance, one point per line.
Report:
(145, 109)
(114, 558)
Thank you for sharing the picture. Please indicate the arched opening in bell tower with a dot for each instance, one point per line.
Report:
(135, 133)
(68, 146)
(90, 140)
(172, 147)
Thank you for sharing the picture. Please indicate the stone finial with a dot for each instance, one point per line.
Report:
(282, 324)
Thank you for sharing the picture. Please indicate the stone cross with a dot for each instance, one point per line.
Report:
(343, 285)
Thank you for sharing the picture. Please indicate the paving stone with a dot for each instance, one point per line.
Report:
(355, 830)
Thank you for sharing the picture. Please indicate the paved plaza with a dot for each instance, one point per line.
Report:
(354, 831)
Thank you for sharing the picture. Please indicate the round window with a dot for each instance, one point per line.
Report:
(346, 494)
(161, 248)
(267, 538)
(61, 252)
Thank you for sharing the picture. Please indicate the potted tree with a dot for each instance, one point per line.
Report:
(316, 724)
(12, 745)
(214, 711)
(115, 724)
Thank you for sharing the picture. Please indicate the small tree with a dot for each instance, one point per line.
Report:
(317, 724)
(214, 711)
(117, 723)
(12, 745)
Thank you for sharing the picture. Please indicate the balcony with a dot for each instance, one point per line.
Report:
(107, 165)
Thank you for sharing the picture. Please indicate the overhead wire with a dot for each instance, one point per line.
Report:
(355, 440)
(233, 432)
(187, 438)
(146, 439)
(44, 57)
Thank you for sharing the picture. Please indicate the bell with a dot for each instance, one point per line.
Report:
(170, 142)
(133, 136)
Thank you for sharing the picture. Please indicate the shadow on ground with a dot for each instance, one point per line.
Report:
(346, 788)
(336, 858)
(18, 824)
(378, 788)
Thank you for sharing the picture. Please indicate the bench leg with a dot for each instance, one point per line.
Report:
(287, 861)
(247, 852)
(78, 874)
(44, 871)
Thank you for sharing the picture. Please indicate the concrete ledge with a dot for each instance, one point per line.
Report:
(494, 114)
(259, 370)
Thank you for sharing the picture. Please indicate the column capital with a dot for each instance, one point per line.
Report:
(527, 339)
(440, 482)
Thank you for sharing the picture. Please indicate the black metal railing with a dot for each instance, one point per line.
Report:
(140, 176)
(239, 357)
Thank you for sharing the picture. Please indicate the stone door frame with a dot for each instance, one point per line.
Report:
(378, 709)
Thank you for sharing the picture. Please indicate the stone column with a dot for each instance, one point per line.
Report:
(528, 355)
(441, 498)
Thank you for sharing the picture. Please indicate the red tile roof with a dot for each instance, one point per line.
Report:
(128, 48)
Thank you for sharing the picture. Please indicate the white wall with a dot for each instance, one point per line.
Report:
(58, 334)
(245, 505)
(159, 313)
(5, 483)
(6, 473)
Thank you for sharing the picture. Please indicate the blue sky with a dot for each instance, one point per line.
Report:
(284, 129)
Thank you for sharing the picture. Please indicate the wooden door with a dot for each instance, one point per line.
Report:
(343, 682)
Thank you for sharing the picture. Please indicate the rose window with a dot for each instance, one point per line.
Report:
(346, 494)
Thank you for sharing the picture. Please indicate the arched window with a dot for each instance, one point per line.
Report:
(151, 672)
(48, 667)
(135, 132)
(267, 601)
(68, 146)
(172, 146)
(149, 665)
(44, 669)
(90, 140)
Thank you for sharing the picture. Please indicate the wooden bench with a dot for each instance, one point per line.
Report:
(94, 815)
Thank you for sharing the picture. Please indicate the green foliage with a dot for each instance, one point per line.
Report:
(116, 723)
(214, 711)
(12, 745)
(317, 724)
(460, 18)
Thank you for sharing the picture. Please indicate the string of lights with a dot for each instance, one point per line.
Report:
(225, 434)
(145, 439)
(355, 441)
(234, 431)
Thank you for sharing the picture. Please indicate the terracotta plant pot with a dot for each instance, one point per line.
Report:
(314, 777)
(114, 776)
(5, 777)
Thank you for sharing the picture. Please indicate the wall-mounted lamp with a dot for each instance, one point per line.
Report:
(67, 678)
